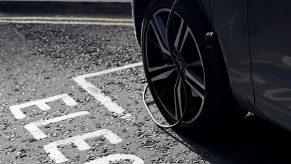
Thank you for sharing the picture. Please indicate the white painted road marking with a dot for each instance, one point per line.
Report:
(99, 96)
(79, 141)
(90, 75)
(33, 127)
(67, 20)
(41, 104)
(76, 0)
(116, 158)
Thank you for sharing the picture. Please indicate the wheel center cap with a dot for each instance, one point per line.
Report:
(178, 59)
(179, 64)
(176, 56)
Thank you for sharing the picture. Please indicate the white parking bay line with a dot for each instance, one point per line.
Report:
(67, 20)
(119, 1)
(111, 70)
(101, 97)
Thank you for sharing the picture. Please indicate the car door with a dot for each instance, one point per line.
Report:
(270, 49)
(230, 23)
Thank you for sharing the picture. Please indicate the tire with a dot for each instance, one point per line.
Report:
(186, 79)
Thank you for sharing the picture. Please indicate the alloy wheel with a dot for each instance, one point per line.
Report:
(174, 67)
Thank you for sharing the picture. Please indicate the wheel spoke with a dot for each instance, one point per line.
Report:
(196, 63)
(161, 72)
(157, 45)
(167, 87)
(196, 84)
(159, 29)
(178, 37)
(187, 32)
(178, 98)
(161, 68)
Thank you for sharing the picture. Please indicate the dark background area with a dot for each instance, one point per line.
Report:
(86, 9)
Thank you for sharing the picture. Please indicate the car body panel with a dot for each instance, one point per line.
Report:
(270, 39)
(138, 10)
(231, 25)
(204, 4)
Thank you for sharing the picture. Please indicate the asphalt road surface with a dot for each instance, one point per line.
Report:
(72, 93)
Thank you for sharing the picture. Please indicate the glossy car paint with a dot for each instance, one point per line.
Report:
(138, 10)
(270, 48)
(231, 25)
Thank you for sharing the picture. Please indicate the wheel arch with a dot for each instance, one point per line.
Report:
(139, 8)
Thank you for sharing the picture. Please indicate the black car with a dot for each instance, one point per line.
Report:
(208, 62)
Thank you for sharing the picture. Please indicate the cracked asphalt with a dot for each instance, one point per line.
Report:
(38, 61)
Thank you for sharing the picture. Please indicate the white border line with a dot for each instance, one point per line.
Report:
(67, 23)
(67, 20)
(122, 1)
(101, 97)
(111, 70)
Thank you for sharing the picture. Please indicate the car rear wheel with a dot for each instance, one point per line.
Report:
(182, 77)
